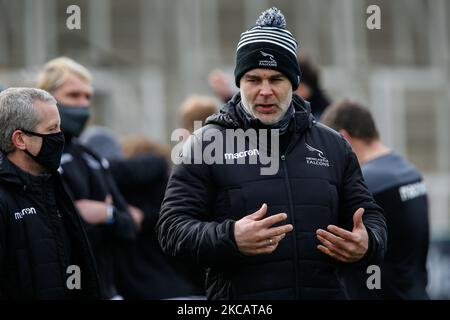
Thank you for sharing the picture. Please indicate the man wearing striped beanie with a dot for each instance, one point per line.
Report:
(278, 232)
(266, 58)
(268, 45)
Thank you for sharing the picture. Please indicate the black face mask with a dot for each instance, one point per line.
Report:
(73, 119)
(51, 150)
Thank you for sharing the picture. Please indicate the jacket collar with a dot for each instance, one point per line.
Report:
(12, 174)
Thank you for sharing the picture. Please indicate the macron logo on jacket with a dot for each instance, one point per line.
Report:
(19, 215)
(241, 154)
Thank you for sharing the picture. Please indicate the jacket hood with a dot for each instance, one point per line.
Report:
(11, 174)
(230, 118)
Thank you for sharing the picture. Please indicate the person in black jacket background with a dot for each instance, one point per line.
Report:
(280, 233)
(41, 235)
(310, 88)
(143, 270)
(398, 187)
(110, 223)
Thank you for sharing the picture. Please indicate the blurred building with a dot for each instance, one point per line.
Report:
(148, 55)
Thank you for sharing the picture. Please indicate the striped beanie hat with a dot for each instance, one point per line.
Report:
(268, 45)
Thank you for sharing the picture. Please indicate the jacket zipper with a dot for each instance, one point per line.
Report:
(291, 208)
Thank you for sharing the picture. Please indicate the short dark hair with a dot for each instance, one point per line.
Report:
(310, 72)
(353, 118)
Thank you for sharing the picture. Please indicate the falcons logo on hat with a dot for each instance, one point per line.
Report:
(267, 55)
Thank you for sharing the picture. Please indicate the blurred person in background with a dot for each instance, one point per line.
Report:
(41, 233)
(398, 187)
(221, 86)
(109, 221)
(137, 145)
(310, 88)
(143, 270)
(196, 108)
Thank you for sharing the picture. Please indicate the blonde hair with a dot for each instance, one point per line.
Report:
(196, 108)
(56, 71)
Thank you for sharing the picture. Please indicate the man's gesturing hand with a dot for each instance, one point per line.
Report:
(255, 235)
(344, 245)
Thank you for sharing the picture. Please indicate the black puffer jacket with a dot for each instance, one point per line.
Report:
(144, 271)
(318, 183)
(40, 236)
(87, 176)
